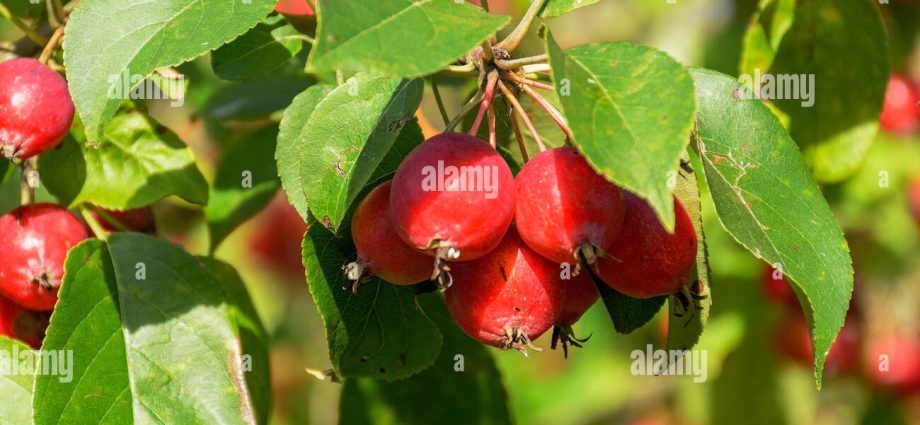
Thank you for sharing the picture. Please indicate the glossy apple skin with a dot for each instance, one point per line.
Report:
(294, 8)
(903, 355)
(21, 324)
(472, 220)
(380, 250)
(578, 295)
(35, 241)
(562, 204)
(511, 288)
(901, 112)
(139, 220)
(646, 260)
(36, 110)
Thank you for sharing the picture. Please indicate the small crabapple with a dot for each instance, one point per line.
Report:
(793, 341)
(452, 198)
(35, 240)
(278, 240)
(381, 252)
(778, 288)
(893, 361)
(21, 324)
(139, 220)
(565, 210)
(35, 108)
(508, 297)
(578, 295)
(901, 110)
(646, 260)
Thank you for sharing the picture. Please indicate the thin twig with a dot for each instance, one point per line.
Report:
(486, 101)
(339, 77)
(517, 35)
(468, 70)
(52, 44)
(520, 110)
(493, 139)
(517, 131)
(437, 97)
(511, 64)
(551, 110)
(94, 225)
(521, 80)
(52, 15)
(28, 180)
(536, 68)
(463, 112)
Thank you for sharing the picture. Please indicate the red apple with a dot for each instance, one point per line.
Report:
(901, 110)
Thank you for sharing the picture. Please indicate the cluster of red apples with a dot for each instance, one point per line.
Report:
(514, 255)
(36, 113)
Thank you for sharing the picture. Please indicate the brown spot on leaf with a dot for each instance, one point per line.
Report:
(338, 162)
(327, 222)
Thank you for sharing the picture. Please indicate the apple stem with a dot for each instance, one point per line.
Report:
(94, 224)
(28, 181)
(520, 31)
(437, 97)
(493, 139)
(513, 64)
(520, 110)
(463, 112)
(52, 44)
(36, 38)
(109, 219)
(521, 80)
(486, 101)
(551, 110)
(517, 131)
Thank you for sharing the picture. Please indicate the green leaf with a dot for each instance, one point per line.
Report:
(836, 119)
(24, 8)
(404, 38)
(338, 160)
(251, 332)
(4, 167)
(766, 199)
(110, 42)
(380, 332)
(16, 378)
(463, 371)
(245, 183)
(627, 313)
(138, 162)
(288, 152)
(258, 52)
(630, 108)
(153, 339)
(688, 313)
(554, 8)
(254, 99)
(765, 31)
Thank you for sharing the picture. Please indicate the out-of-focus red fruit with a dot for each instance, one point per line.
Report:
(893, 361)
(35, 240)
(647, 261)
(278, 241)
(507, 298)
(794, 342)
(21, 324)
(497, 6)
(778, 288)
(901, 111)
(913, 198)
(294, 8)
(578, 295)
(452, 198)
(565, 210)
(139, 220)
(35, 108)
(381, 252)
